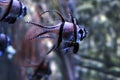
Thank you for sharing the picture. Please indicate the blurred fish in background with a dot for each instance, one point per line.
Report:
(6, 46)
(10, 10)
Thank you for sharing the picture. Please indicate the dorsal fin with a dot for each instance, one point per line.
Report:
(38, 25)
(62, 19)
(61, 26)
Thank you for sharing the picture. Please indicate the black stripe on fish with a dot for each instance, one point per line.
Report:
(75, 28)
(60, 34)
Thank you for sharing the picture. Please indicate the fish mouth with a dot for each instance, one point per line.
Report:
(81, 38)
(85, 34)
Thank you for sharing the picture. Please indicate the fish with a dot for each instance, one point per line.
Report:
(70, 33)
(42, 70)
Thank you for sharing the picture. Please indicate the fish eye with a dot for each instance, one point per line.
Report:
(81, 31)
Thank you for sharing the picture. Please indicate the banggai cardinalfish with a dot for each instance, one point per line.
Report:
(69, 32)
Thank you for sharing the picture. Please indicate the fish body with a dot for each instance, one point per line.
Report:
(69, 33)
(67, 30)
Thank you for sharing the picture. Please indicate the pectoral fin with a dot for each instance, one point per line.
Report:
(75, 47)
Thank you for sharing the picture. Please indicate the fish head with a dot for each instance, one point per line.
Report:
(82, 32)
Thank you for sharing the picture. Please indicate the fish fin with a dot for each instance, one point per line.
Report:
(75, 47)
(51, 49)
(65, 50)
(46, 37)
(58, 13)
(41, 26)
(38, 35)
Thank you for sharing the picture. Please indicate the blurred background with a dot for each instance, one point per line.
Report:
(99, 53)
